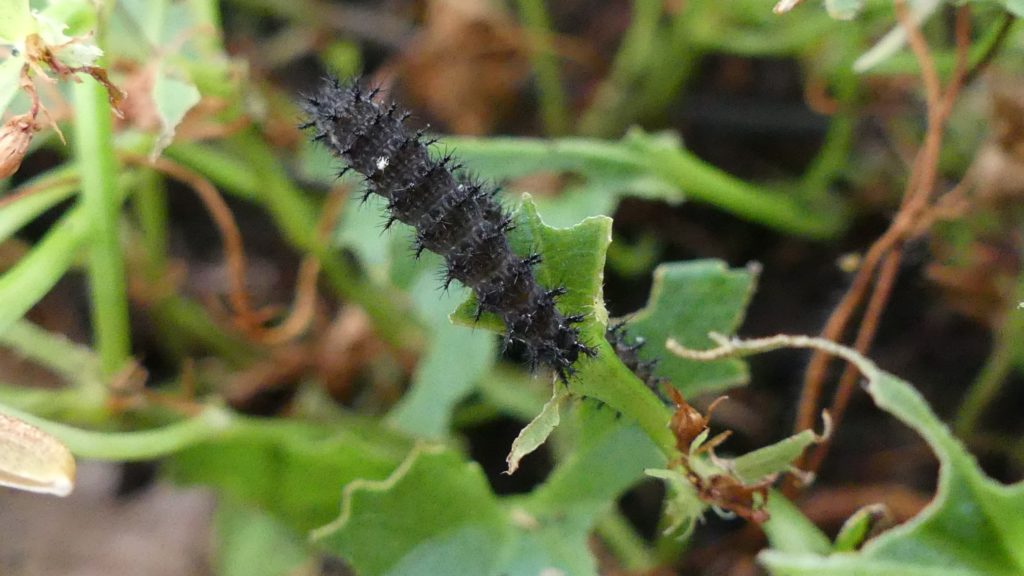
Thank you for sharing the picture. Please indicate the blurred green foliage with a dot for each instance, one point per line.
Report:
(390, 488)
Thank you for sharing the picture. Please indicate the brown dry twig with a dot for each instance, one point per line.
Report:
(304, 306)
(877, 274)
(248, 320)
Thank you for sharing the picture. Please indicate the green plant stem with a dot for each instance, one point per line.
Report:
(605, 116)
(212, 423)
(94, 149)
(49, 189)
(85, 396)
(34, 275)
(191, 327)
(708, 184)
(73, 362)
(692, 178)
(545, 65)
(224, 169)
(833, 155)
(627, 546)
(670, 66)
(986, 387)
(980, 53)
(67, 404)
(150, 203)
(127, 446)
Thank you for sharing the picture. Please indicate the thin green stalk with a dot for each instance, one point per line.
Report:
(1006, 350)
(150, 203)
(49, 189)
(706, 183)
(124, 446)
(73, 362)
(25, 284)
(225, 170)
(835, 151)
(607, 114)
(191, 327)
(544, 60)
(628, 547)
(94, 149)
(68, 403)
(670, 67)
(689, 177)
(212, 423)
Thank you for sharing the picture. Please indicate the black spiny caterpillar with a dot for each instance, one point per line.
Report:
(627, 349)
(455, 216)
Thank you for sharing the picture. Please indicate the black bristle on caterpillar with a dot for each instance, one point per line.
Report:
(627, 349)
(455, 216)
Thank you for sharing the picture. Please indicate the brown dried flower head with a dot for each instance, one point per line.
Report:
(15, 136)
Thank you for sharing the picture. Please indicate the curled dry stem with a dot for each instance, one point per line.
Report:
(248, 320)
(877, 274)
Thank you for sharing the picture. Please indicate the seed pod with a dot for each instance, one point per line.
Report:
(15, 136)
(32, 460)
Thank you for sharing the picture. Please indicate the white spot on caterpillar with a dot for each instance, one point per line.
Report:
(382, 162)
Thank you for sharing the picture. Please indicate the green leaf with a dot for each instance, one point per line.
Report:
(574, 258)
(294, 470)
(537, 431)
(455, 360)
(856, 528)
(689, 300)
(974, 526)
(683, 508)
(772, 459)
(435, 514)
(657, 166)
(52, 25)
(156, 32)
(15, 20)
(1015, 6)
(10, 80)
(609, 455)
(684, 505)
(788, 530)
(173, 98)
(359, 230)
(253, 543)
